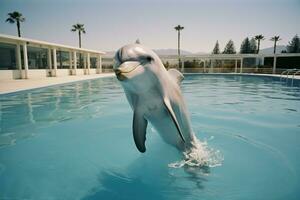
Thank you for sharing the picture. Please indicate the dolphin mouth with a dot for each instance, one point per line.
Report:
(125, 68)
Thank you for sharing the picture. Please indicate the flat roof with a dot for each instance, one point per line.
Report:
(16, 40)
(229, 56)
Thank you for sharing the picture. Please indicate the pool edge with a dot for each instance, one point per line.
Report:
(17, 90)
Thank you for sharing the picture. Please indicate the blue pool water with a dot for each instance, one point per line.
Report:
(75, 142)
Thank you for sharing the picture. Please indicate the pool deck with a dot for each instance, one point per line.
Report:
(10, 86)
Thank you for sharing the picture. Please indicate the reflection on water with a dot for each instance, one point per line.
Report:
(147, 177)
(23, 113)
(113, 185)
(75, 142)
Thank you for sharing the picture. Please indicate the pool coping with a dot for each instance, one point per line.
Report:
(33, 84)
(297, 77)
(89, 77)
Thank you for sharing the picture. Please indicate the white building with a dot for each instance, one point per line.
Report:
(23, 58)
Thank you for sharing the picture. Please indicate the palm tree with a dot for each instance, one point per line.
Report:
(258, 38)
(178, 29)
(80, 28)
(16, 17)
(276, 38)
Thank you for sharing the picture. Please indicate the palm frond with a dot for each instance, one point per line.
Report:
(15, 16)
(178, 28)
(22, 19)
(259, 37)
(275, 38)
(10, 20)
(78, 27)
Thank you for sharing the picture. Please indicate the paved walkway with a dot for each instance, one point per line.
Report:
(8, 86)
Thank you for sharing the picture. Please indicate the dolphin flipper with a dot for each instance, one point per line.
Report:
(139, 130)
(171, 112)
(176, 75)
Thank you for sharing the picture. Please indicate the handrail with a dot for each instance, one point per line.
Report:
(292, 70)
(282, 73)
(294, 76)
(287, 73)
(296, 72)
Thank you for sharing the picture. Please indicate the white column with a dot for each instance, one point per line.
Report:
(49, 61)
(241, 68)
(274, 64)
(84, 63)
(182, 65)
(88, 63)
(235, 66)
(75, 62)
(99, 64)
(211, 70)
(54, 63)
(19, 60)
(70, 61)
(25, 58)
(204, 66)
(262, 61)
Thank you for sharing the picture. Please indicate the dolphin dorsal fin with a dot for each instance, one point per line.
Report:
(176, 75)
(173, 116)
(138, 41)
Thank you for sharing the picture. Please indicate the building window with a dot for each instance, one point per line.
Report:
(7, 56)
(93, 62)
(37, 58)
(63, 59)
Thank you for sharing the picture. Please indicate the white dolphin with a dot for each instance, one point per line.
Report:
(154, 95)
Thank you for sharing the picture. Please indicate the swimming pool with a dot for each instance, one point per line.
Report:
(75, 141)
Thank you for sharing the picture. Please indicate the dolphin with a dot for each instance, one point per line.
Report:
(154, 95)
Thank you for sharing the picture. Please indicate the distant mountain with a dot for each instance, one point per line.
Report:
(270, 50)
(200, 53)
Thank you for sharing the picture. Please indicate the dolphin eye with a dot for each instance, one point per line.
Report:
(149, 58)
(146, 59)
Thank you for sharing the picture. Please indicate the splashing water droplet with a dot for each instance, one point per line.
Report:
(200, 155)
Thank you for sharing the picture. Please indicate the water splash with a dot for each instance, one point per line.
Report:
(200, 155)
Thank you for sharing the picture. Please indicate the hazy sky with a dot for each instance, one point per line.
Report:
(112, 23)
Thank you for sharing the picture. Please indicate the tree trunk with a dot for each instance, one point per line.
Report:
(258, 45)
(79, 34)
(18, 26)
(178, 49)
(80, 63)
(275, 46)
